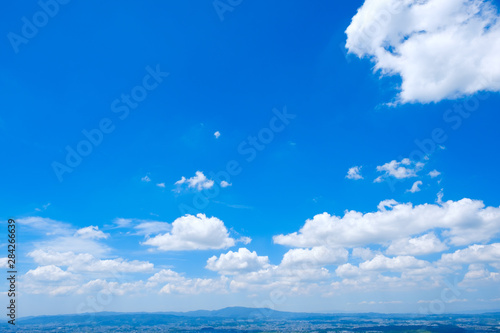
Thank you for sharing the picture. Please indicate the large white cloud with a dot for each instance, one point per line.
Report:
(237, 262)
(442, 49)
(194, 233)
(464, 222)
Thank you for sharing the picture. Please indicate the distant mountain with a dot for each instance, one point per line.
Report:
(201, 317)
(238, 312)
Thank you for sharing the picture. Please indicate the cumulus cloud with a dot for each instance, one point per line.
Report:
(232, 263)
(363, 253)
(194, 233)
(48, 273)
(173, 283)
(474, 254)
(198, 182)
(146, 179)
(399, 263)
(479, 274)
(316, 256)
(399, 170)
(354, 173)
(422, 245)
(441, 49)
(162, 185)
(91, 232)
(464, 222)
(415, 187)
(217, 134)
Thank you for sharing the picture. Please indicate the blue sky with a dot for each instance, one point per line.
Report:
(352, 101)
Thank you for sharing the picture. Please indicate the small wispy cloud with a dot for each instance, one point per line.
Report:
(415, 187)
(44, 207)
(225, 184)
(354, 173)
(399, 170)
(198, 182)
(217, 134)
(434, 173)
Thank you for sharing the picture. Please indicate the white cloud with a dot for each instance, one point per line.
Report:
(363, 253)
(146, 179)
(162, 185)
(405, 271)
(398, 264)
(46, 225)
(193, 233)
(399, 170)
(217, 134)
(91, 232)
(316, 256)
(74, 244)
(152, 227)
(174, 283)
(354, 173)
(85, 262)
(123, 223)
(113, 287)
(143, 227)
(232, 263)
(66, 238)
(464, 222)
(474, 254)
(479, 275)
(48, 273)
(198, 182)
(422, 245)
(415, 187)
(44, 207)
(4, 262)
(225, 184)
(434, 173)
(440, 48)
